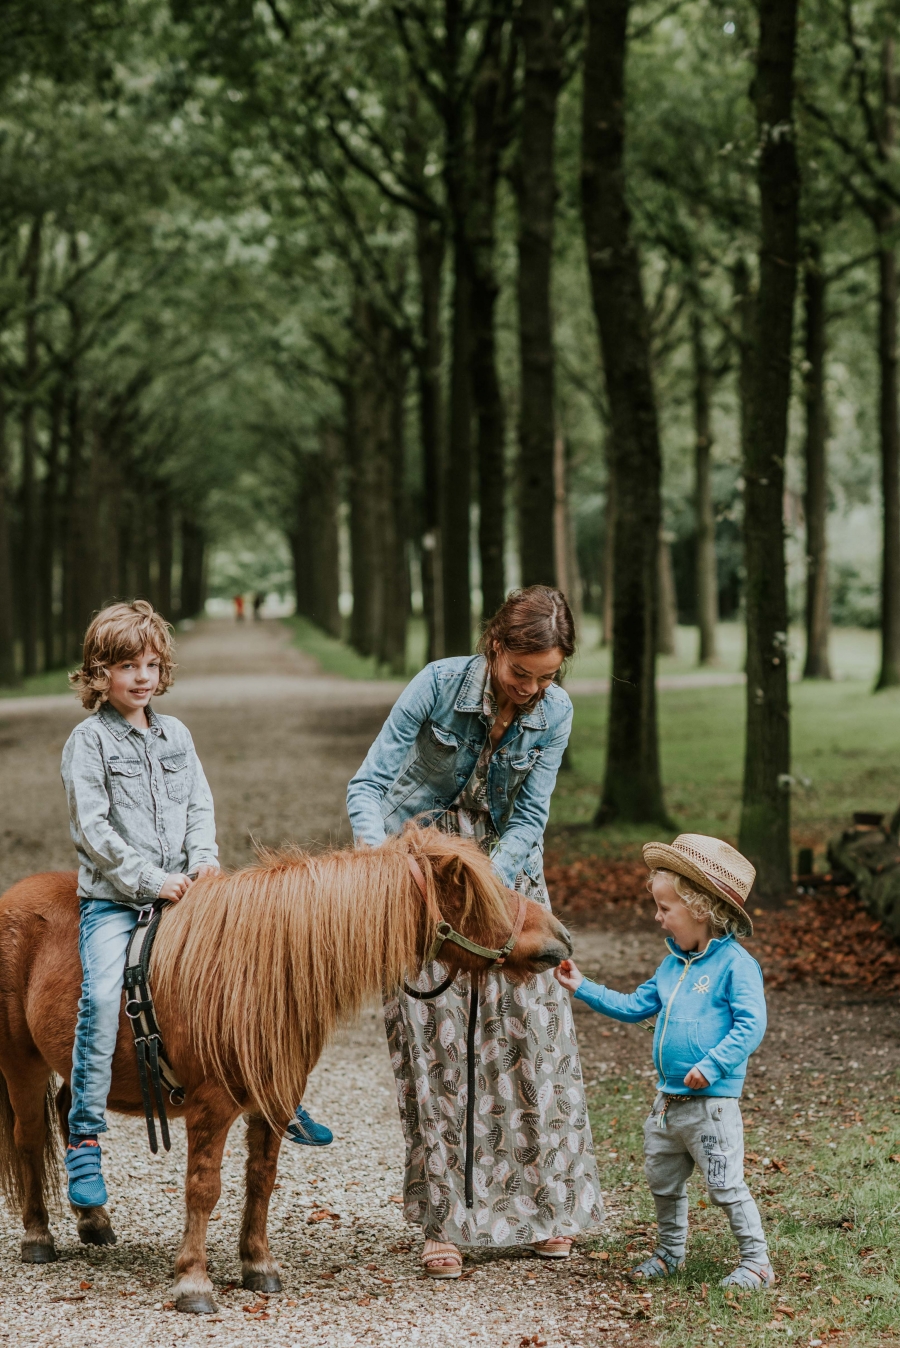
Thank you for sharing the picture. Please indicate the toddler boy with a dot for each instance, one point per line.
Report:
(708, 998)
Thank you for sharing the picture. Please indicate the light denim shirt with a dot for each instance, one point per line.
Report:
(428, 747)
(710, 1010)
(139, 805)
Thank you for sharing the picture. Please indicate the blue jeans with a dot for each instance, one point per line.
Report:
(103, 932)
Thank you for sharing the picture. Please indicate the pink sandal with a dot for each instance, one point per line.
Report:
(442, 1261)
(557, 1247)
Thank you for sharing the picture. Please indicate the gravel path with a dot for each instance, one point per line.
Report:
(278, 764)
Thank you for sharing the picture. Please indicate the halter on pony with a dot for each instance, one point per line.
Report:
(444, 932)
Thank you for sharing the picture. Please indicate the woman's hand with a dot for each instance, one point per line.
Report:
(695, 1080)
(569, 975)
(175, 887)
(205, 870)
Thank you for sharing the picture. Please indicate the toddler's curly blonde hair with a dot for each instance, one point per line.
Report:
(722, 918)
(121, 632)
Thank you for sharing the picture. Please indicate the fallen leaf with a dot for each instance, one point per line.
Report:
(704, 1291)
(168, 1305)
(785, 1310)
(85, 1286)
(75, 1296)
(396, 1198)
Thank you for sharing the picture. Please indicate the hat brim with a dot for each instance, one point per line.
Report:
(663, 857)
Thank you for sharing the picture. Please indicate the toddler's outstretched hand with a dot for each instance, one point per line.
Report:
(569, 975)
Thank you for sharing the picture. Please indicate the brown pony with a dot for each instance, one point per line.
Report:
(251, 972)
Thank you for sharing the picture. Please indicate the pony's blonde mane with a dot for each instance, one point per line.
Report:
(264, 964)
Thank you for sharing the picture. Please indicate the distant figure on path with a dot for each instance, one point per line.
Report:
(473, 746)
(258, 600)
(239, 608)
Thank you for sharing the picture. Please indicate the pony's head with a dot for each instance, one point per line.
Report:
(462, 889)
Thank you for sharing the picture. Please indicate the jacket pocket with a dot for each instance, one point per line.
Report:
(124, 782)
(176, 775)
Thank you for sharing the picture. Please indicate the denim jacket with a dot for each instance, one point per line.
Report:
(139, 805)
(710, 1010)
(428, 748)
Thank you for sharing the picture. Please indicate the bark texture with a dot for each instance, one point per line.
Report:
(818, 623)
(707, 569)
(314, 539)
(632, 788)
(535, 183)
(765, 814)
(8, 669)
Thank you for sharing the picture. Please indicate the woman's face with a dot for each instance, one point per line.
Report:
(522, 677)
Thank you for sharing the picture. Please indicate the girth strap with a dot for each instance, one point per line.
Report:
(155, 1072)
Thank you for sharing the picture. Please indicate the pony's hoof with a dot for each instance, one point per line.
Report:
(103, 1235)
(256, 1281)
(196, 1303)
(38, 1252)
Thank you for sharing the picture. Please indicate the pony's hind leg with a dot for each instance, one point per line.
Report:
(208, 1122)
(93, 1224)
(29, 1161)
(259, 1272)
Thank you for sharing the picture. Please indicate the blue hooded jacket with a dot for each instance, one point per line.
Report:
(710, 1009)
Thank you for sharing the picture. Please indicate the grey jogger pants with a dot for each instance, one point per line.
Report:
(707, 1132)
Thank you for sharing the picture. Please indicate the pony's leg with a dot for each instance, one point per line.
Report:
(207, 1128)
(34, 1144)
(93, 1224)
(259, 1272)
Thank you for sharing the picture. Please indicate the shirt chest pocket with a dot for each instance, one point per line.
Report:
(519, 768)
(176, 776)
(124, 782)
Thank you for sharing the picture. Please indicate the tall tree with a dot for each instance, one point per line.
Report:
(706, 565)
(632, 788)
(817, 664)
(535, 183)
(765, 813)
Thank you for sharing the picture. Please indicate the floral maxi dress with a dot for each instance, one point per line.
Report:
(534, 1173)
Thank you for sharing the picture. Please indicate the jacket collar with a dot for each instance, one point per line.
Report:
(117, 725)
(691, 956)
(471, 697)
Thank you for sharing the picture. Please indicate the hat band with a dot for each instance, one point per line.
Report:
(726, 889)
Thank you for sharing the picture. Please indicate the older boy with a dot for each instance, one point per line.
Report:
(141, 818)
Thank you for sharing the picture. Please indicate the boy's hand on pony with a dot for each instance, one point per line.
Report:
(205, 870)
(175, 887)
(569, 975)
(695, 1080)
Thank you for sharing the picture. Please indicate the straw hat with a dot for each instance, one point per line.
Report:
(709, 863)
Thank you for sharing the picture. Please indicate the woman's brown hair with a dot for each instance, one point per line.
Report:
(531, 620)
(121, 632)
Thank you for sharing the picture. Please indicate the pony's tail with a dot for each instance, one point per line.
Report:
(12, 1179)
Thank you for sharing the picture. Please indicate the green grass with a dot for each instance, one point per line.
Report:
(54, 681)
(336, 657)
(830, 1216)
(846, 750)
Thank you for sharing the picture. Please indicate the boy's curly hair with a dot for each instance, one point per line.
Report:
(121, 632)
(722, 917)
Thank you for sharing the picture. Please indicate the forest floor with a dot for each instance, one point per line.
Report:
(279, 740)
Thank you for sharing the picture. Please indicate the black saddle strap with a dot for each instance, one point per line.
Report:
(154, 1069)
(470, 1068)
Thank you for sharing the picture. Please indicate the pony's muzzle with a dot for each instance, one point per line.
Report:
(559, 948)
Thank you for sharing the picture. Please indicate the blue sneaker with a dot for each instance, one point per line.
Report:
(86, 1187)
(305, 1131)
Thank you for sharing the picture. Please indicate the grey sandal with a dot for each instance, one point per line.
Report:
(661, 1264)
(750, 1275)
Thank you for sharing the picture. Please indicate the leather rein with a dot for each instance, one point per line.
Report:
(444, 932)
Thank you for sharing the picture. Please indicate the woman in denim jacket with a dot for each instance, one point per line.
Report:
(473, 746)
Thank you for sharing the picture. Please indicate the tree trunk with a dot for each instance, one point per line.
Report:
(486, 395)
(765, 817)
(76, 602)
(391, 648)
(565, 555)
(818, 620)
(193, 568)
(165, 548)
(535, 183)
(632, 788)
(49, 530)
(885, 220)
(609, 548)
(430, 256)
(457, 493)
(8, 672)
(707, 570)
(314, 537)
(667, 606)
(362, 465)
(29, 589)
